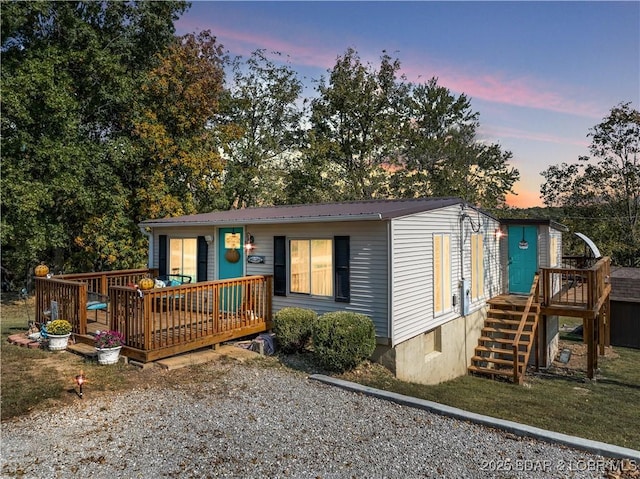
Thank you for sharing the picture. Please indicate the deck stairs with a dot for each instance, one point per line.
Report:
(507, 338)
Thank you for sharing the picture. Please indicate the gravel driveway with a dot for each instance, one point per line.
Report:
(255, 421)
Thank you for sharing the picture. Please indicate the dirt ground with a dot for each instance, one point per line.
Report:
(577, 363)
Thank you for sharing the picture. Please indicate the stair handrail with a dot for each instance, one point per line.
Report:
(533, 294)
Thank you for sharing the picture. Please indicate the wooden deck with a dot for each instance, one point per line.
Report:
(166, 321)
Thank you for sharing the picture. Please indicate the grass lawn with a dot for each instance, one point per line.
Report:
(604, 410)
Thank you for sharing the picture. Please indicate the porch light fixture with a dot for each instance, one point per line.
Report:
(208, 239)
(249, 243)
(499, 233)
(80, 380)
(524, 244)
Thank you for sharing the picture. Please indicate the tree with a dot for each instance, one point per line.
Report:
(604, 190)
(181, 172)
(263, 128)
(355, 121)
(442, 155)
(71, 72)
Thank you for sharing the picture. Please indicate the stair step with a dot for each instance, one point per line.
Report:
(509, 351)
(483, 359)
(498, 372)
(512, 322)
(511, 312)
(512, 332)
(488, 339)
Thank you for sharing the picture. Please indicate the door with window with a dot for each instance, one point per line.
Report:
(230, 265)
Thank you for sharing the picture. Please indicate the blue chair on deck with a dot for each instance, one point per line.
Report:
(174, 279)
(97, 302)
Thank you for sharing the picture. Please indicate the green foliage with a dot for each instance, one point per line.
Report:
(181, 95)
(292, 327)
(600, 196)
(343, 339)
(260, 105)
(71, 75)
(376, 135)
(354, 122)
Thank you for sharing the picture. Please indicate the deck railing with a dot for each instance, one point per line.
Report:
(531, 307)
(575, 288)
(70, 292)
(165, 321)
(100, 282)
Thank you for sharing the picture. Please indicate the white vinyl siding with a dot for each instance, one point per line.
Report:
(412, 270)
(368, 266)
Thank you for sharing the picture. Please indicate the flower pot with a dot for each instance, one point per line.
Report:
(108, 355)
(58, 342)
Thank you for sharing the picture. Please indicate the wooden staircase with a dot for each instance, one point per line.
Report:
(507, 338)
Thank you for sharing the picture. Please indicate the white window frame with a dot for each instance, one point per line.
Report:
(477, 266)
(442, 295)
(290, 281)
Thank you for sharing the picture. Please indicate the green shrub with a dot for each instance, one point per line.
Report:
(343, 339)
(292, 327)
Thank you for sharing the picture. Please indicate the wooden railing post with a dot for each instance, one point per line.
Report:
(146, 315)
(533, 293)
(82, 308)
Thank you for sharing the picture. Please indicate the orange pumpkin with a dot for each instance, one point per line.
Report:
(41, 270)
(147, 283)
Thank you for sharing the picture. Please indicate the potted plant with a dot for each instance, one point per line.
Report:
(58, 332)
(108, 345)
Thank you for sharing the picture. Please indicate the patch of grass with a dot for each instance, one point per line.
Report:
(572, 323)
(33, 378)
(604, 410)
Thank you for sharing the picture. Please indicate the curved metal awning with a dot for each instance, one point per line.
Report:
(592, 246)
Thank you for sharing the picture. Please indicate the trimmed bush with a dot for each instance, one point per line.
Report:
(292, 327)
(343, 339)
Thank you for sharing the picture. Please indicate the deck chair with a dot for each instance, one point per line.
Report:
(97, 302)
(174, 279)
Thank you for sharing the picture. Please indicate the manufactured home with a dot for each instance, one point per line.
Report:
(450, 288)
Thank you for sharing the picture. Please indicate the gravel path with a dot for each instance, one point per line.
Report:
(254, 421)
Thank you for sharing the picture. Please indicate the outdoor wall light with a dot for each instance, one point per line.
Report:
(249, 243)
(208, 239)
(80, 380)
(499, 233)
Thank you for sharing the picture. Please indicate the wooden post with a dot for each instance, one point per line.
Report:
(146, 318)
(82, 309)
(588, 337)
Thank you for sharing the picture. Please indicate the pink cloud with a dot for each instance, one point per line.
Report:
(497, 88)
(524, 92)
(506, 132)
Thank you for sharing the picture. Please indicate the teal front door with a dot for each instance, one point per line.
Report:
(523, 258)
(230, 265)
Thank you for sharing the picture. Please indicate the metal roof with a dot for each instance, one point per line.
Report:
(320, 212)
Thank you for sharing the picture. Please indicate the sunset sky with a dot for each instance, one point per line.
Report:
(541, 74)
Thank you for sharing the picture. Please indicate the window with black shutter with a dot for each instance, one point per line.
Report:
(162, 255)
(280, 266)
(342, 272)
